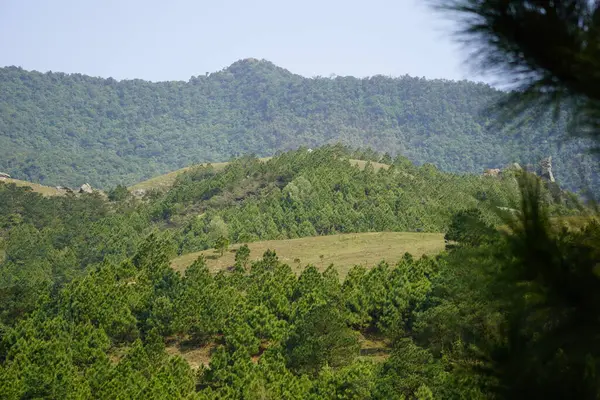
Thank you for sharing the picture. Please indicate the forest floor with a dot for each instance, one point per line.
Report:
(373, 348)
(344, 251)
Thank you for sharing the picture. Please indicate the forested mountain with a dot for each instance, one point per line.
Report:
(91, 308)
(57, 128)
(46, 241)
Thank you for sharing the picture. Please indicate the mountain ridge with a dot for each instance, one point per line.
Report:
(60, 128)
(242, 63)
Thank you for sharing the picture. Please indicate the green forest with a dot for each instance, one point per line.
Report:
(310, 238)
(69, 129)
(91, 308)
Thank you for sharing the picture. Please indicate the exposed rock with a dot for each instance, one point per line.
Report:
(546, 167)
(139, 192)
(86, 188)
(515, 166)
(492, 172)
(65, 189)
(4, 175)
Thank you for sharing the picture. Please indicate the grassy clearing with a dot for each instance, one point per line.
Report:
(165, 181)
(194, 356)
(373, 348)
(44, 190)
(344, 251)
(376, 166)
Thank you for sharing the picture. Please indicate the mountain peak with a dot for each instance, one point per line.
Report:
(254, 65)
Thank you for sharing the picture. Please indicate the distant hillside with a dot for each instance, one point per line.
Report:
(165, 181)
(301, 193)
(37, 188)
(345, 251)
(47, 241)
(70, 129)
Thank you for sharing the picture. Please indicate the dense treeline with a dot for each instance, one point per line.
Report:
(506, 312)
(454, 326)
(302, 193)
(90, 306)
(278, 335)
(68, 129)
(47, 241)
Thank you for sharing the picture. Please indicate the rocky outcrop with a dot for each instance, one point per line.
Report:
(546, 169)
(492, 172)
(4, 175)
(64, 189)
(86, 188)
(497, 172)
(139, 192)
(515, 167)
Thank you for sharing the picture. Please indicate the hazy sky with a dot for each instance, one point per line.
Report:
(175, 39)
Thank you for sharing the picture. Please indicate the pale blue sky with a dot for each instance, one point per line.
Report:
(175, 39)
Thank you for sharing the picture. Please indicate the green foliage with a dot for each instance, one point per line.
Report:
(411, 373)
(301, 193)
(242, 255)
(89, 299)
(126, 131)
(452, 323)
(217, 231)
(320, 337)
(552, 61)
(119, 193)
(467, 227)
(516, 317)
(355, 381)
(221, 245)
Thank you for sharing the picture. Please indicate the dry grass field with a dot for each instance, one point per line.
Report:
(344, 251)
(45, 190)
(166, 181)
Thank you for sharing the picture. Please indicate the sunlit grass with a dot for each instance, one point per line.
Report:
(344, 251)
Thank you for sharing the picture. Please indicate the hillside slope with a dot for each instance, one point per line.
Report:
(167, 180)
(68, 129)
(344, 251)
(37, 188)
(301, 193)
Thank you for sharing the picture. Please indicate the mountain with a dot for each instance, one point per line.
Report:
(49, 240)
(69, 129)
(107, 297)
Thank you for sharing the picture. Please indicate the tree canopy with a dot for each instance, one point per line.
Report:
(68, 129)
